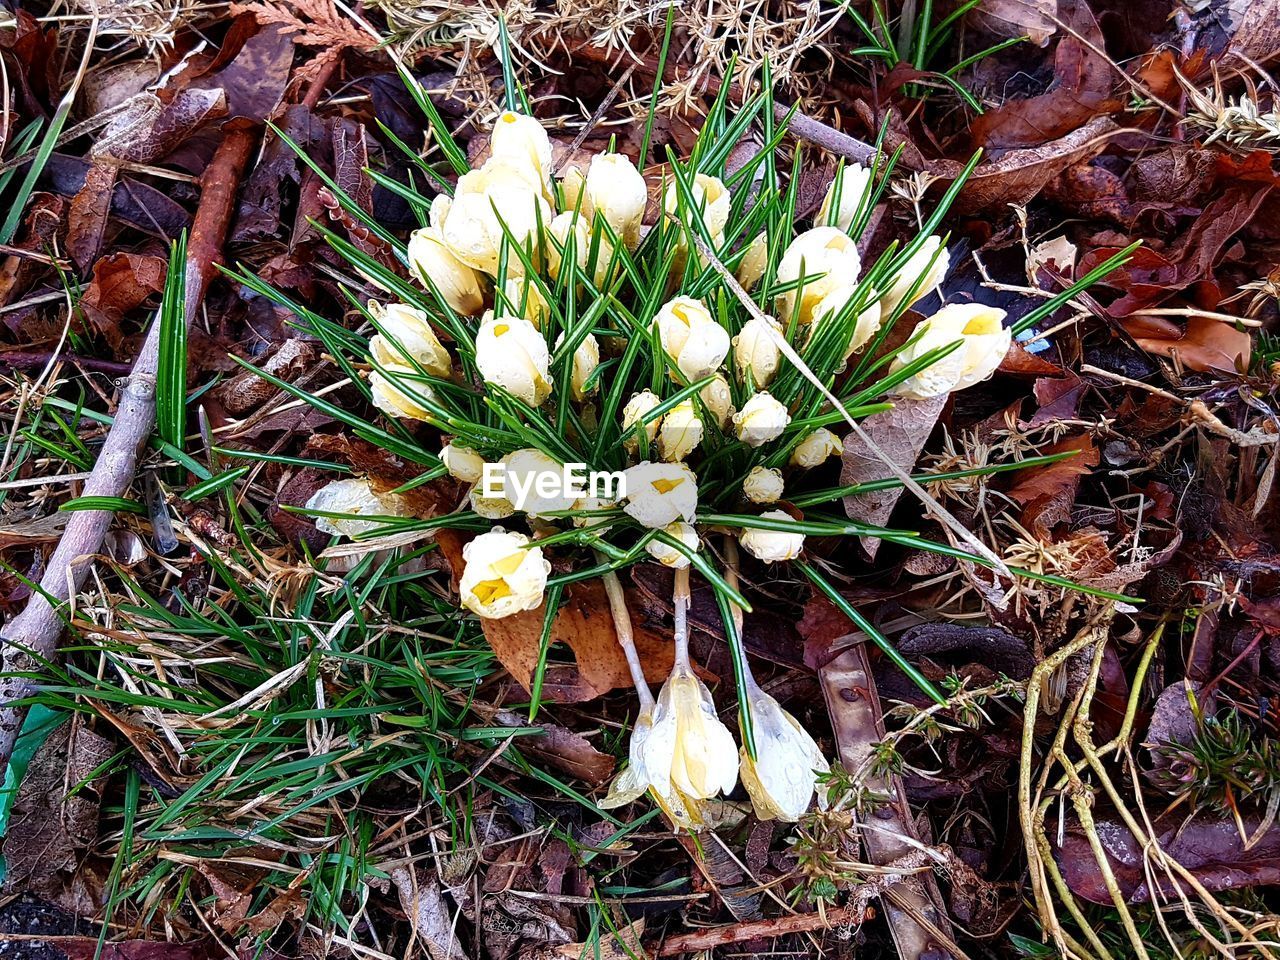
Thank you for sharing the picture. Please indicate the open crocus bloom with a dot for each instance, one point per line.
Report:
(503, 574)
(782, 778)
(661, 493)
(984, 340)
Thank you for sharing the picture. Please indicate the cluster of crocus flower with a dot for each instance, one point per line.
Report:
(491, 256)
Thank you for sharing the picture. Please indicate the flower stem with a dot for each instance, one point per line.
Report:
(626, 640)
(680, 601)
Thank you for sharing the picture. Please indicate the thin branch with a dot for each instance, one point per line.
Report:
(31, 638)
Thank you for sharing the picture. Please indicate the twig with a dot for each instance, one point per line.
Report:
(700, 940)
(32, 636)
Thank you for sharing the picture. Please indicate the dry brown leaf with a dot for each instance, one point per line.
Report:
(901, 433)
(1033, 19)
(422, 901)
(1205, 345)
(584, 624)
(121, 282)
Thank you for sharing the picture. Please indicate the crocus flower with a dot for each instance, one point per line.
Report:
(503, 574)
(661, 493)
(680, 432)
(772, 546)
(854, 184)
(691, 337)
(406, 338)
(668, 555)
(781, 780)
(816, 448)
(511, 353)
(983, 338)
(461, 287)
(922, 272)
(463, 463)
(618, 194)
(826, 258)
(761, 419)
(763, 485)
(356, 499)
(755, 350)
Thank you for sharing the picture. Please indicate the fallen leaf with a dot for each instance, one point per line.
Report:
(50, 831)
(1205, 344)
(1080, 92)
(1054, 479)
(560, 747)
(1205, 844)
(121, 282)
(901, 434)
(1033, 19)
(432, 920)
(584, 624)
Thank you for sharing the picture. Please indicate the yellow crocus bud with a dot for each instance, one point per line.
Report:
(618, 193)
(691, 337)
(854, 185)
(814, 449)
(463, 463)
(710, 199)
(407, 337)
(668, 555)
(752, 265)
(633, 411)
(826, 258)
(756, 352)
(920, 275)
(763, 485)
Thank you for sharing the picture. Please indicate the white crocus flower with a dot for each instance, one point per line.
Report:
(498, 193)
(407, 337)
(503, 574)
(635, 410)
(814, 449)
(922, 272)
(703, 762)
(755, 350)
(461, 287)
(573, 193)
(523, 470)
(827, 259)
(511, 353)
(668, 555)
(438, 210)
(763, 485)
(680, 432)
(522, 140)
(864, 328)
(398, 391)
(772, 546)
(761, 419)
(586, 358)
(618, 194)
(691, 337)
(356, 499)
(710, 198)
(854, 185)
(589, 504)
(752, 265)
(719, 400)
(491, 508)
(984, 340)
(782, 779)
(526, 300)
(463, 463)
(566, 228)
(661, 493)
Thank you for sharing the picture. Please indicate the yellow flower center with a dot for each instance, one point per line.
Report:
(982, 325)
(509, 565)
(666, 486)
(500, 329)
(487, 591)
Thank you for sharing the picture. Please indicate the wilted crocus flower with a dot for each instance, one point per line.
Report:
(781, 780)
(356, 499)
